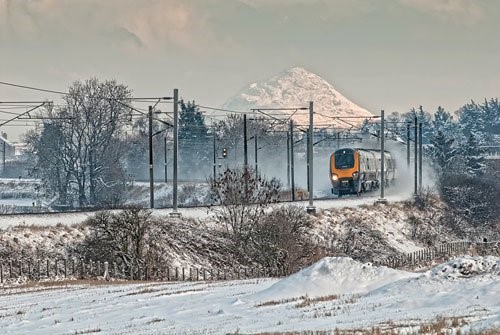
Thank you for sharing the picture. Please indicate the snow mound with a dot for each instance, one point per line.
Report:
(466, 266)
(333, 275)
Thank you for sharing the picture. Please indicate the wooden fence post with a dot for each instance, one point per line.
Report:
(1, 273)
(47, 268)
(106, 271)
(183, 274)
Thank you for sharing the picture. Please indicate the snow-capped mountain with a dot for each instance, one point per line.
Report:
(295, 88)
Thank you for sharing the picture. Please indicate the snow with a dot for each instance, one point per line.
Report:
(71, 218)
(354, 296)
(333, 275)
(295, 87)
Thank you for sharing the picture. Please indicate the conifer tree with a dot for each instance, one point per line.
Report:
(474, 157)
(194, 142)
(442, 152)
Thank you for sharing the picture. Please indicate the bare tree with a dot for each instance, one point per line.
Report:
(242, 197)
(79, 146)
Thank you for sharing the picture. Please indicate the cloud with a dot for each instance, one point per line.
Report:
(459, 11)
(147, 23)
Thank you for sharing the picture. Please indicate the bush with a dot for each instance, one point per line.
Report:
(122, 235)
(279, 239)
(472, 198)
(242, 197)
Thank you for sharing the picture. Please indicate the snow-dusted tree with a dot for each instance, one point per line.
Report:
(422, 117)
(442, 152)
(194, 141)
(474, 119)
(49, 159)
(491, 110)
(474, 157)
(394, 125)
(443, 122)
(89, 127)
(242, 198)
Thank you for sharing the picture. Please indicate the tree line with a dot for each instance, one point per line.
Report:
(87, 150)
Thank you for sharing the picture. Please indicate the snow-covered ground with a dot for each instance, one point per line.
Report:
(52, 219)
(334, 293)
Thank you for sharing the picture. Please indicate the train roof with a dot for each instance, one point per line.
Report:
(362, 149)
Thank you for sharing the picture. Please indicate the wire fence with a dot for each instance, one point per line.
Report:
(441, 252)
(21, 271)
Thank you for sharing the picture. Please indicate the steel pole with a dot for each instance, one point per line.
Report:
(292, 166)
(151, 173)
(288, 158)
(420, 156)
(310, 137)
(165, 157)
(416, 156)
(175, 150)
(245, 145)
(215, 159)
(408, 146)
(255, 149)
(382, 155)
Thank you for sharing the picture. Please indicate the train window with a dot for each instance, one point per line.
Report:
(344, 159)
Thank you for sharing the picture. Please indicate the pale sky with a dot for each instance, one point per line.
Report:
(381, 54)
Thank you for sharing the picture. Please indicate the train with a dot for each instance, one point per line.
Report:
(356, 170)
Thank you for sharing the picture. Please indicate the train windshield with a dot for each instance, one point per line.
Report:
(344, 159)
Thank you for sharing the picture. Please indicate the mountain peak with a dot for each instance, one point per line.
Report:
(294, 88)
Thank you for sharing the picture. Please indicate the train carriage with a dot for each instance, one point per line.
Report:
(356, 170)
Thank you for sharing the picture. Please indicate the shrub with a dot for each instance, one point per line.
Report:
(279, 239)
(242, 197)
(474, 199)
(122, 235)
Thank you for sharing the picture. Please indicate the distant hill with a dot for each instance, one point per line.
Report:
(295, 88)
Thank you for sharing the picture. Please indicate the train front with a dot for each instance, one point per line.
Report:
(344, 171)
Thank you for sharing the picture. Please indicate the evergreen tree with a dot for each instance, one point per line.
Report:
(194, 141)
(491, 110)
(443, 121)
(422, 117)
(442, 152)
(472, 120)
(474, 157)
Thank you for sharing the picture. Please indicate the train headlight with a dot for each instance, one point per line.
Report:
(355, 175)
(335, 177)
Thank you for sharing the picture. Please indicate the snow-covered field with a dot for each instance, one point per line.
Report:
(334, 293)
